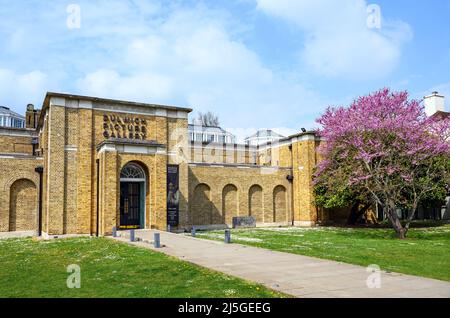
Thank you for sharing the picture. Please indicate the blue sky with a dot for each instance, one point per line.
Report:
(256, 63)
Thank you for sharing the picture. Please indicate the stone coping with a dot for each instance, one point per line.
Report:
(237, 165)
(134, 142)
(13, 131)
(10, 155)
(114, 101)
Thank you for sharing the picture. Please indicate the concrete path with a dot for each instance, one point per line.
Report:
(297, 275)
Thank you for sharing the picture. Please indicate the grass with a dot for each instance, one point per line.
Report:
(426, 251)
(35, 268)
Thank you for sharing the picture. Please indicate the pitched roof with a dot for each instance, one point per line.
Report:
(265, 133)
(7, 111)
(441, 114)
(210, 129)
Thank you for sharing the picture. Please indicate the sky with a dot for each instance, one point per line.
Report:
(255, 63)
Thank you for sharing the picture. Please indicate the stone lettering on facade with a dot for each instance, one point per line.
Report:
(126, 127)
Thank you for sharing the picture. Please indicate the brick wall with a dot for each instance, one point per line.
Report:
(217, 193)
(15, 143)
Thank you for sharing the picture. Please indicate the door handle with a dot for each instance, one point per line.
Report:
(125, 208)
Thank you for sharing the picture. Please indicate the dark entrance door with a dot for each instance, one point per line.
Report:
(130, 205)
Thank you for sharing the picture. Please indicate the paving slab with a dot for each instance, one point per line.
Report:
(293, 274)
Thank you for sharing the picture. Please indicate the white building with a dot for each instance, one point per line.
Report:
(434, 104)
(8, 118)
(199, 133)
(263, 136)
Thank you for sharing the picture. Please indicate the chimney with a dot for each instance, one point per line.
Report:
(31, 116)
(434, 103)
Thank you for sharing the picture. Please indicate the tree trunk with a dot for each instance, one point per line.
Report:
(410, 216)
(402, 233)
(395, 221)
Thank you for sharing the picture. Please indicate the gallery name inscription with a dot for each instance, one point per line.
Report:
(129, 127)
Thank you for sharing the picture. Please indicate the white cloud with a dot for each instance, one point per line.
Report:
(191, 59)
(108, 83)
(151, 51)
(20, 89)
(338, 42)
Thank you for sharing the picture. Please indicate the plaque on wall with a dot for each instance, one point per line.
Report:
(173, 195)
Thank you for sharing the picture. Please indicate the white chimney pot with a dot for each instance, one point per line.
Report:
(434, 103)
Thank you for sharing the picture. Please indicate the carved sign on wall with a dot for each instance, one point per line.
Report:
(129, 127)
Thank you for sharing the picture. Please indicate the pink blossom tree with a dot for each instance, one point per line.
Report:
(384, 146)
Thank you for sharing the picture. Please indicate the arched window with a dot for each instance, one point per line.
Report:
(132, 172)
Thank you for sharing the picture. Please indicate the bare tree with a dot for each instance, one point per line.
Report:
(207, 119)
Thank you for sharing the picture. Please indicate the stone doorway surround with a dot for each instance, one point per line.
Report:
(114, 154)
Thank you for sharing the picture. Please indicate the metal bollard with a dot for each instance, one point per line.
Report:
(227, 236)
(132, 236)
(193, 231)
(114, 231)
(156, 240)
(168, 227)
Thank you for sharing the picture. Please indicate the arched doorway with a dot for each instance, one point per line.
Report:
(132, 196)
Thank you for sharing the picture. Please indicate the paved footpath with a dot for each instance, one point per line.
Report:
(297, 275)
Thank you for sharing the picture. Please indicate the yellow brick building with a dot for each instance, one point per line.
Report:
(84, 165)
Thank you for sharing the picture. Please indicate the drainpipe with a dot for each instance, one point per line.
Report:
(40, 170)
(290, 178)
(97, 161)
(291, 181)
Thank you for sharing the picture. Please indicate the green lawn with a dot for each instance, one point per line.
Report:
(426, 251)
(32, 268)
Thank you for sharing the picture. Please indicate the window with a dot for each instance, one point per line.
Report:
(17, 123)
(132, 171)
